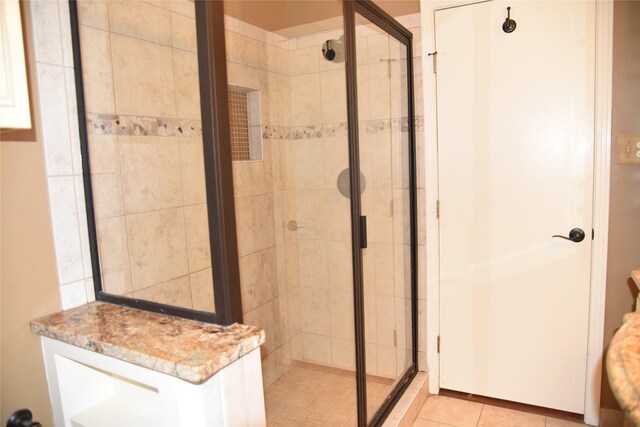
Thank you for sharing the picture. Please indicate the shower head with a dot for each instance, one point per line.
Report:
(333, 50)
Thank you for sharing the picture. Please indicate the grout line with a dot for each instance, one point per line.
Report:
(480, 416)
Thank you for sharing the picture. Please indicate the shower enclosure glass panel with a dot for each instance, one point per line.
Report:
(384, 141)
(142, 104)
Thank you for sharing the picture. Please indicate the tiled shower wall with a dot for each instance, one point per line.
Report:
(142, 99)
(265, 200)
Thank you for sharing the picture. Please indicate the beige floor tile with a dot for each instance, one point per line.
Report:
(493, 416)
(455, 412)
(554, 422)
(421, 422)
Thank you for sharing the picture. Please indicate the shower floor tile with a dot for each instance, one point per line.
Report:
(313, 395)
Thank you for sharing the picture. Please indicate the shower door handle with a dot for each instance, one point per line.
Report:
(363, 232)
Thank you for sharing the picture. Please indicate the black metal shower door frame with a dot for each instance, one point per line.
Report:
(212, 73)
(374, 14)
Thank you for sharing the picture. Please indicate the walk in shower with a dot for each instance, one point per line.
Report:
(321, 110)
(328, 272)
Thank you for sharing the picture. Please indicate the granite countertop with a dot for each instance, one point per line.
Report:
(187, 349)
(623, 363)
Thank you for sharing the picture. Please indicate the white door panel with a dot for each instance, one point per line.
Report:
(515, 142)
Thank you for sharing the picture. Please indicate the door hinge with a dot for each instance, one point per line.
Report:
(438, 209)
(435, 61)
(593, 234)
(438, 344)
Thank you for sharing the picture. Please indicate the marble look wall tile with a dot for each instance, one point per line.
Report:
(316, 348)
(157, 246)
(143, 76)
(243, 75)
(311, 214)
(312, 261)
(66, 234)
(151, 173)
(304, 61)
(284, 360)
(107, 195)
(338, 210)
(78, 181)
(185, 69)
(183, 32)
(382, 230)
(94, 13)
(380, 105)
(292, 263)
(341, 313)
(72, 114)
(296, 344)
(99, 94)
(258, 279)
(294, 316)
(384, 257)
(284, 331)
(96, 50)
(54, 120)
(248, 178)
(197, 228)
(343, 353)
(315, 307)
(381, 160)
(269, 368)
(176, 292)
(333, 90)
(266, 317)
(402, 269)
(253, 220)
(386, 361)
(46, 31)
(385, 320)
(104, 154)
(65, 34)
(202, 290)
(192, 170)
(284, 99)
(339, 265)
(336, 159)
(308, 165)
(305, 95)
(182, 7)
(114, 255)
(73, 295)
(140, 20)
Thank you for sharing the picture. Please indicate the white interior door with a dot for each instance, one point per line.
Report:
(515, 143)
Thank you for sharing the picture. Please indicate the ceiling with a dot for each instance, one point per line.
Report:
(279, 15)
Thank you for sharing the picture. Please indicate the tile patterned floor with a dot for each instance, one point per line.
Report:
(441, 411)
(309, 395)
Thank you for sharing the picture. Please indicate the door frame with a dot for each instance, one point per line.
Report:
(602, 152)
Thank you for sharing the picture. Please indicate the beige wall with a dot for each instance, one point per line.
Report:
(28, 283)
(624, 215)
(28, 277)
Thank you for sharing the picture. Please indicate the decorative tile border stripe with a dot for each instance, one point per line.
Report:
(110, 124)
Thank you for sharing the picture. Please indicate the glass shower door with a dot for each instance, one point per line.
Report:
(385, 142)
